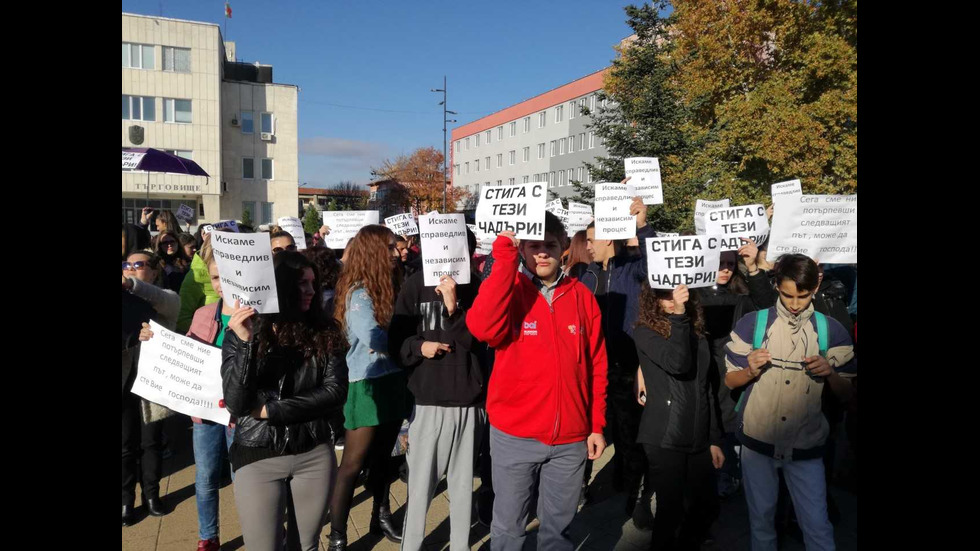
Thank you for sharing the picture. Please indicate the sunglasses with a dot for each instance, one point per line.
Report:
(138, 265)
(281, 249)
(168, 243)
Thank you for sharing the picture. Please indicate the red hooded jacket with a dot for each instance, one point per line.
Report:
(549, 374)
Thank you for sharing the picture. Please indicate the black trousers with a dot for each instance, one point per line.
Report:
(142, 452)
(675, 476)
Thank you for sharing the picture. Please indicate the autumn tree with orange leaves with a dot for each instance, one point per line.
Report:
(422, 178)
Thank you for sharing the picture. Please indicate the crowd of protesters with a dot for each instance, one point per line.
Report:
(521, 375)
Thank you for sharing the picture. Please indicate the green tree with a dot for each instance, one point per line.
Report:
(312, 220)
(247, 218)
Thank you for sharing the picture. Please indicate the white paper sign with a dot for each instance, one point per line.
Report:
(702, 206)
(444, 248)
(295, 228)
(245, 264)
(131, 160)
(823, 227)
(792, 187)
(748, 221)
(690, 260)
(518, 208)
(185, 213)
(552, 206)
(402, 224)
(612, 212)
(484, 241)
(667, 234)
(644, 173)
(344, 225)
(182, 374)
(579, 217)
(230, 224)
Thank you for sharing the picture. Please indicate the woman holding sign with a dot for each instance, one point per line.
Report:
(283, 374)
(377, 400)
(679, 429)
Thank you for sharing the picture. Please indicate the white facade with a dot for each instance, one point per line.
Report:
(174, 86)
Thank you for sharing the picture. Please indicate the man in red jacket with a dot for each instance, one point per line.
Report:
(546, 399)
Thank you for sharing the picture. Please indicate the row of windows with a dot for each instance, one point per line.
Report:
(143, 108)
(558, 147)
(574, 106)
(265, 216)
(142, 56)
(559, 178)
(248, 168)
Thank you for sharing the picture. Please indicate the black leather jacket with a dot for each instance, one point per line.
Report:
(298, 399)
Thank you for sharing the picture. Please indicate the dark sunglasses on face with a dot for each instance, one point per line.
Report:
(138, 265)
(168, 243)
(281, 249)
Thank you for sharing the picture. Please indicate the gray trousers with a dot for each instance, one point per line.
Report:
(518, 463)
(441, 440)
(260, 496)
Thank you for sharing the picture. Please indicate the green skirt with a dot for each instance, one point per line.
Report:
(373, 402)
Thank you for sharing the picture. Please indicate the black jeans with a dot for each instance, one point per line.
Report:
(141, 444)
(671, 474)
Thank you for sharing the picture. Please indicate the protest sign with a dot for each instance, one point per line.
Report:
(823, 227)
(579, 217)
(444, 248)
(612, 212)
(484, 241)
(245, 264)
(229, 224)
(552, 206)
(402, 224)
(131, 160)
(185, 213)
(344, 225)
(748, 221)
(518, 208)
(295, 228)
(644, 174)
(690, 260)
(702, 206)
(667, 234)
(791, 187)
(182, 374)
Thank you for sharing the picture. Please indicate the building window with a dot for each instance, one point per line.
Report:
(466, 168)
(248, 122)
(477, 140)
(266, 213)
(551, 179)
(512, 156)
(571, 110)
(500, 182)
(561, 146)
(267, 122)
(500, 132)
(477, 167)
(138, 108)
(527, 124)
(571, 144)
(527, 154)
(137, 56)
(592, 103)
(581, 105)
(500, 160)
(579, 174)
(591, 140)
(267, 169)
(510, 181)
(513, 129)
(467, 144)
(249, 207)
(177, 110)
(559, 112)
(457, 146)
(487, 163)
(541, 151)
(569, 178)
(554, 148)
(457, 165)
(588, 177)
(581, 141)
(488, 140)
(487, 184)
(177, 60)
(182, 153)
(525, 180)
(248, 168)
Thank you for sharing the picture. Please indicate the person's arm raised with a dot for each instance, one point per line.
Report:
(489, 319)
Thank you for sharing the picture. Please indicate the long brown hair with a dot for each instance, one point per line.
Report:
(369, 265)
(578, 251)
(653, 317)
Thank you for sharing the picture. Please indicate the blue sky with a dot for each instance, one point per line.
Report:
(365, 67)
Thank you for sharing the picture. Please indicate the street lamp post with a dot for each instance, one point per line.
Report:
(445, 158)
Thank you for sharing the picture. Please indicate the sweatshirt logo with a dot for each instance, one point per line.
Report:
(571, 329)
(531, 328)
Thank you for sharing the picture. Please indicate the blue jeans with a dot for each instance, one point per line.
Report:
(211, 443)
(807, 488)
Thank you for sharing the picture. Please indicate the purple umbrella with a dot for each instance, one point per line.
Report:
(154, 160)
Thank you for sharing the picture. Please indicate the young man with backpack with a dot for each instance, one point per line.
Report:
(786, 354)
(546, 399)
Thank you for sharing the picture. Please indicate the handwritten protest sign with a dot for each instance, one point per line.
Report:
(344, 225)
(402, 224)
(444, 248)
(791, 187)
(484, 241)
(185, 213)
(182, 374)
(552, 206)
(518, 208)
(702, 206)
(294, 226)
(612, 212)
(579, 217)
(245, 264)
(749, 221)
(690, 260)
(823, 227)
(131, 160)
(644, 173)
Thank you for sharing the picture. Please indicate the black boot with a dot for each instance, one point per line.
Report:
(155, 506)
(128, 515)
(381, 524)
(338, 541)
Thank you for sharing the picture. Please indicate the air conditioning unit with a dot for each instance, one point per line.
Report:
(266, 136)
(234, 122)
